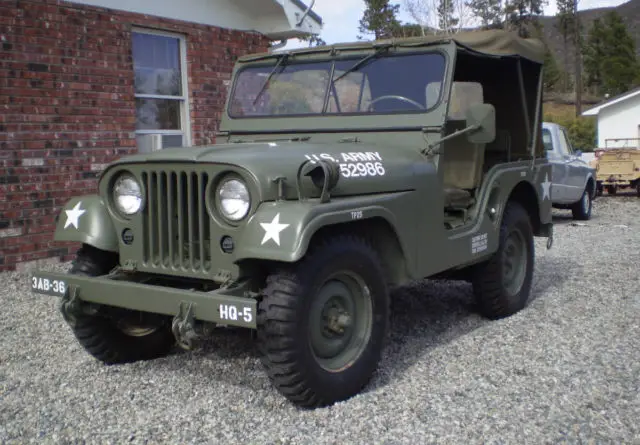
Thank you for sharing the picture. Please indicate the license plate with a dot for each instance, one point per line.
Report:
(48, 286)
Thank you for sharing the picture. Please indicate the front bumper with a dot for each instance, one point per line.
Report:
(218, 306)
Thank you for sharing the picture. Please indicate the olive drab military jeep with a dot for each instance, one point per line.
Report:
(339, 172)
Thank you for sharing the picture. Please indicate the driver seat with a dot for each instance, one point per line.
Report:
(461, 162)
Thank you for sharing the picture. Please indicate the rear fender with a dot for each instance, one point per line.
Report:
(85, 219)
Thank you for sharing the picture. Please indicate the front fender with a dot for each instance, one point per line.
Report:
(282, 230)
(85, 219)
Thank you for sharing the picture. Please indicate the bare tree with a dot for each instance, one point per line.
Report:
(426, 14)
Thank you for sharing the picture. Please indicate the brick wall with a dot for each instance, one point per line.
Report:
(67, 107)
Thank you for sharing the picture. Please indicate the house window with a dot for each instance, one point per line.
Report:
(162, 109)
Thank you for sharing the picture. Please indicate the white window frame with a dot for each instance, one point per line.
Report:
(185, 115)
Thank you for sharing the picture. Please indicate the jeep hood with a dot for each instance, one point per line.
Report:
(365, 168)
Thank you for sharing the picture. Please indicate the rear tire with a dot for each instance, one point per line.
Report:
(322, 322)
(503, 283)
(115, 341)
(581, 210)
(612, 189)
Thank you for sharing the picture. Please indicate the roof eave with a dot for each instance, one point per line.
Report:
(594, 111)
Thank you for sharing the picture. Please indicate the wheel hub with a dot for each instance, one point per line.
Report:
(340, 321)
(514, 262)
(585, 202)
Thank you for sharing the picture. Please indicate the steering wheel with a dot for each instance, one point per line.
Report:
(402, 98)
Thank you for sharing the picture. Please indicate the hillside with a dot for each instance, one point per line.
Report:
(629, 11)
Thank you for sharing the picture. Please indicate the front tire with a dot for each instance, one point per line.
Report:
(503, 283)
(115, 340)
(581, 210)
(322, 322)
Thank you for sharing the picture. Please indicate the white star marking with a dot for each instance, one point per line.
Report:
(272, 230)
(73, 215)
(546, 186)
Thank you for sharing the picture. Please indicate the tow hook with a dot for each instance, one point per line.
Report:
(183, 327)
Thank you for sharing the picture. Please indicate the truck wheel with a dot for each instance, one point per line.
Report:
(322, 322)
(612, 189)
(638, 188)
(503, 283)
(581, 210)
(106, 339)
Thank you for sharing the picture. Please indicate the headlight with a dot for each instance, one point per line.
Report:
(127, 194)
(234, 199)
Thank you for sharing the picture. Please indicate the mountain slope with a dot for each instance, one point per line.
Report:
(629, 11)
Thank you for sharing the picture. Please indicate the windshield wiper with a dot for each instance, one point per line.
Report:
(360, 62)
(281, 59)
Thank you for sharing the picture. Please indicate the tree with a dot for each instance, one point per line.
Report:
(446, 16)
(422, 12)
(610, 56)
(410, 30)
(551, 73)
(594, 54)
(490, 12)
(379, 19)
(521, 14)
(566, 20)
(439, 16)
(620, 63)
(313, 40)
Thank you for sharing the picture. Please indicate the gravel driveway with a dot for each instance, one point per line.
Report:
(564, 370)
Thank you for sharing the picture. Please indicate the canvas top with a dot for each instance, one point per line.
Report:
(489, 42)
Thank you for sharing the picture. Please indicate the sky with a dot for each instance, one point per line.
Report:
(341, 17)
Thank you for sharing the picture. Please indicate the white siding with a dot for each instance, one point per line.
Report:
(620, 121)
(274, 18)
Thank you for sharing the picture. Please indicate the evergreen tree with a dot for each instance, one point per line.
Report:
(610, 56)
(379, 19)
(594, 54)
(620, 64)
(566, 22)
(409, 30)
(521, 14)
(490, 12)
(446, 15)
(551, 73)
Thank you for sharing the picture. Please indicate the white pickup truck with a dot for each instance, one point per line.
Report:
(573, 180)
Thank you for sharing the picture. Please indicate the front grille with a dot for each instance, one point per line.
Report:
(175, 221)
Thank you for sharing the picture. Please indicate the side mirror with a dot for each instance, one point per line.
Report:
(483, 118)
(578, 153)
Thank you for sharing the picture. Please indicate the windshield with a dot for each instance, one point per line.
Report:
(381, 84)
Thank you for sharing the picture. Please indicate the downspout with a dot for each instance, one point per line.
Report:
(305, 14)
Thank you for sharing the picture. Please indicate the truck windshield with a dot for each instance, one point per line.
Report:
(382, 84)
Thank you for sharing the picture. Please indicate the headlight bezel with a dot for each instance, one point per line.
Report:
(112, 194)
(214, 201)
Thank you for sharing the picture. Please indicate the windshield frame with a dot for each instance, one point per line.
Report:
(331, 62)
